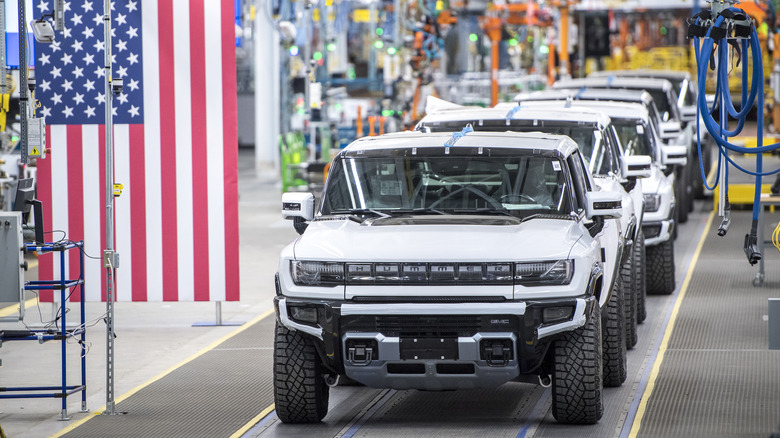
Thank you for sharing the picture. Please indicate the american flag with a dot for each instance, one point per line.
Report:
(175, 147)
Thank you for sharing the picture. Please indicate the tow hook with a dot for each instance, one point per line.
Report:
(545, 380)
(360, 352)
(332, 380)
(497, 352)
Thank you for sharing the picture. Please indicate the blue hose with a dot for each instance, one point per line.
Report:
(723, 96)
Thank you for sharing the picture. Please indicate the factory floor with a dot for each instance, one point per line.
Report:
(701, 368)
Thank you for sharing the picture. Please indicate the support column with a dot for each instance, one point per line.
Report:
(267, 100)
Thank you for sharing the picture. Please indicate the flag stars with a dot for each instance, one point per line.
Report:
(131, 6)
(88, 33)
(133, 85)
(90, 111)
(66, 32)
(87, 6)
(132, 58)
(78, 99)
(46, 112)
(76, 19)
(121, 46)
(44, 59)
(99, 71)
(98, 19)
(68, 111)
(67, 85)
(89, 58)
(98, 46)
(66, 59)
(132, 32)
(45, 85)
(43, 6)
(55, 46)
(121, 19)
(77, 46)
(78, 72)
(122, 71)
(122, 98)
(90, 85)
(56, 98)
(100, 98)
(56, 72)
(133, 111)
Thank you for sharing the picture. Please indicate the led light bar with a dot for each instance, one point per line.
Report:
(312, 273)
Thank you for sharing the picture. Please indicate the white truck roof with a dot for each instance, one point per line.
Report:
(410, 139)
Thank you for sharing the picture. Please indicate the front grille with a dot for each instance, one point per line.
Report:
(421, 326)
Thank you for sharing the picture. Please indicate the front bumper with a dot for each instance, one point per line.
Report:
(658, 232)
(435, 345)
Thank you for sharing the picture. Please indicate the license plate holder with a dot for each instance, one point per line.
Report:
(429, 348)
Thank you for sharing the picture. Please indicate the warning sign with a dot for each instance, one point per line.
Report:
(35, 152)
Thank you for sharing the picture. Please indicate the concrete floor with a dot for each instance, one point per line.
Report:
(151, 337)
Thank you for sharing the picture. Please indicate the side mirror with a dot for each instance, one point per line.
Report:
(298, 205)
(605, 203)
(688, 113)
(674, 155)
(637, 166)
(670, 130)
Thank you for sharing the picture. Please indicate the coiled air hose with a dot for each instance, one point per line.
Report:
(730, 27)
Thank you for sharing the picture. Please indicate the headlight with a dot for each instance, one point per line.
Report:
(544, 273)
(317, 273)
(652, 202)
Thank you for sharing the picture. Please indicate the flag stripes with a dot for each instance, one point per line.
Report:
(176, 222)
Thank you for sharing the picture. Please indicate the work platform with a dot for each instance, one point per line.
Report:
(701, 368)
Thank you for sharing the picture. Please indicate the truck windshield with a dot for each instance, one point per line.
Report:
(588, 137)
(519, 185)
(635, 136)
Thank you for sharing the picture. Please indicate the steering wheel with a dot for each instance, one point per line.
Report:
(493, 203)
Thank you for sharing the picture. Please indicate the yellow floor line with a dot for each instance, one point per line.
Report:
(165, 373)
(240, 432)
(668, 333)
(7, 311)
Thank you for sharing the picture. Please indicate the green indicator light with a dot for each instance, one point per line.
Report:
(317, 56)
(337, 106)
(544, 50)
(386, 113)
(530, 39)
(663, 30)
(14, 138)
(513, 42)
(331, 47)
(379, 31)
(379, 44)
(391, 51)
(294, 51)
(473, 37)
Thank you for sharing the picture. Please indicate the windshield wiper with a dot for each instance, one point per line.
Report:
(359, 214)
(483, 211)
(421, 210)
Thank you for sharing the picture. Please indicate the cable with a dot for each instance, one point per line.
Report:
(728, 24)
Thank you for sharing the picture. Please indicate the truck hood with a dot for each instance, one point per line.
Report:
(346, 240)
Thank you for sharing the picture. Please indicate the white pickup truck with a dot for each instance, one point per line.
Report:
(447, 261)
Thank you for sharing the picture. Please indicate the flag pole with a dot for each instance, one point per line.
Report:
(109, 257)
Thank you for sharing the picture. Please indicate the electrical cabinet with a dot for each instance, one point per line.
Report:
(11, 258)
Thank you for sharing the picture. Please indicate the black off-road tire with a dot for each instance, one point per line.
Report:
(576, 383)
(628, 286)
(300, 392)
(613, 341)
(660, 268)
(681, 194)
(641, 283)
